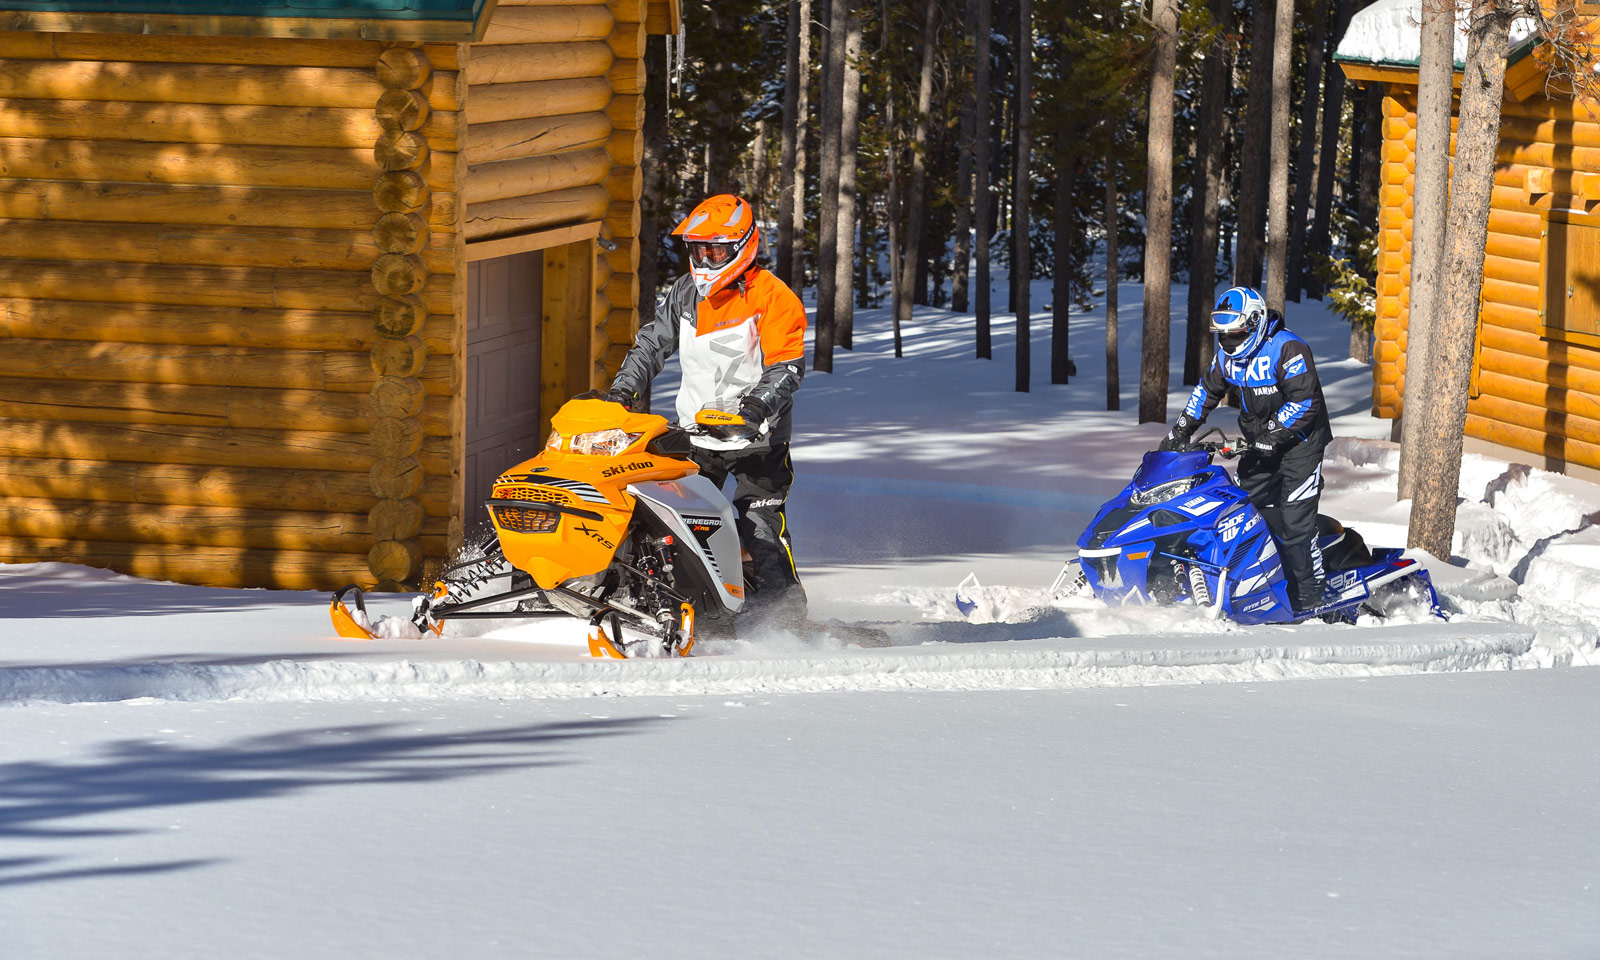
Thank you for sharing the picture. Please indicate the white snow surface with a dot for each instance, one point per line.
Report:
(1390, 32)
(198, 772)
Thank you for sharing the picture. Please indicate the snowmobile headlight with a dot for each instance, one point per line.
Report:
(554, 443)
(603, 443)
(1163, 492)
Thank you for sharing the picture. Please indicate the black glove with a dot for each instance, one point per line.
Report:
(754, 412)
(1177, 439)
(619, 396)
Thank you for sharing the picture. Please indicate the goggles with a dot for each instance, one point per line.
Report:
(707, 253)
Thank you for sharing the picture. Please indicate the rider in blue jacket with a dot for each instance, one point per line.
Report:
(1284, 422)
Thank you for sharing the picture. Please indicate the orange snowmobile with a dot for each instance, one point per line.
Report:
(611, 523)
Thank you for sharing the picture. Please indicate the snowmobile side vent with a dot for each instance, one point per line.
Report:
(519, 492)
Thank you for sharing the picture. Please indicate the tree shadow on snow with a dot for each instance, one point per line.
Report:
(72, 799)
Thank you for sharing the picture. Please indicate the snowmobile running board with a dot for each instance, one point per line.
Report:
(357, 626)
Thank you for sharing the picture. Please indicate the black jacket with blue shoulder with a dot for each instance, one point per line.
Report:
(1280, 395)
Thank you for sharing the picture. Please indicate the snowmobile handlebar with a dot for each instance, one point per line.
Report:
(1224, 447)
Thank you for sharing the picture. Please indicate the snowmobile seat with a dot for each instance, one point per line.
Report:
(1347, 549)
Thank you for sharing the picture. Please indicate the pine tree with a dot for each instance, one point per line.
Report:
(1435, 82)
(1156, 361)
(1444, 416)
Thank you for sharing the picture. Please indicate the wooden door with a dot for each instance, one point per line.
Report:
(504, 306)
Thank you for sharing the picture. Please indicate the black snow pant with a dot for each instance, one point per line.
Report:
(760, 492)
(1286, 488)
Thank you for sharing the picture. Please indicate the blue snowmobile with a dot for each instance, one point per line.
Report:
(1182, 532)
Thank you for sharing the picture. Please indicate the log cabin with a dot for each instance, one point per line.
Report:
(283, 287)
(1535, 388)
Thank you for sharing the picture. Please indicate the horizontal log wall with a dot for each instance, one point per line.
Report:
(228, 305)
(1533, 392)
(554, 109)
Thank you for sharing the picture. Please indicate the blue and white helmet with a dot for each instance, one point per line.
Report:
(1240, 321)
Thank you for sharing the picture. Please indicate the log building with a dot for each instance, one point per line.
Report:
(1535, 390)
(284, 287)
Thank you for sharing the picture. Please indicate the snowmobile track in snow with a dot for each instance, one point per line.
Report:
(1020, 665)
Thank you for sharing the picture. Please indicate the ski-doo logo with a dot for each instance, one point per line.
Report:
(624, 468)
(595, 535)
(774, 502)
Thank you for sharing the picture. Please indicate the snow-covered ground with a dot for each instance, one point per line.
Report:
(195, 772)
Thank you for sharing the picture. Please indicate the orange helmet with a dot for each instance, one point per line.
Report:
(723, 238)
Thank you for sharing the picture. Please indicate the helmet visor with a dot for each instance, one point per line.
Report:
(706, 253)
(1226, 320)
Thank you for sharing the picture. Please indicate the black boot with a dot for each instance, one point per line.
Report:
(1309, 596)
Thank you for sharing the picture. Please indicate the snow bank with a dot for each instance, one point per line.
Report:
(1037, 665)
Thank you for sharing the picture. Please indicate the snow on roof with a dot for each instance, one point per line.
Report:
(1389, 32)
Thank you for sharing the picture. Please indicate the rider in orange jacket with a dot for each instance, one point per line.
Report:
(739, 333)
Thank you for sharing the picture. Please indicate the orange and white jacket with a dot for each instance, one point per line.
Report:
(745, 339)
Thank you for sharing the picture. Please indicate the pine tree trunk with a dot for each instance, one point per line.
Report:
(982, 175)
(1208, 186)
(1360, 344)
(1278, 175)
(1253, 148)
(896, 231)
(1155, 369)
(652, 201)
(959, 283)
(1113, 384)
(786, 149)
(1444, 416)
(1021, 260)
(867, 251)
(828, 192)
(1370, 167)
(1430, 199)
(1061, 297)
(1305, 171)
(802, 122)
(758, 170)
(1328, 150)
(911, 258)
(850, 140)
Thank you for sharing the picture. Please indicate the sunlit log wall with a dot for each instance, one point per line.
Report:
(555, 108)
(199, 380)
(1531, 392)
(232, 280)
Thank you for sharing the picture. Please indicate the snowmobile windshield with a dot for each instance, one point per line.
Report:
(1160, 468)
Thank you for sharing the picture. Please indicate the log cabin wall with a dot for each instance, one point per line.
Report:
(201, 379)
(555, 136)
(1534, 389)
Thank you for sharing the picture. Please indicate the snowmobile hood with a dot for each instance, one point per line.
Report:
(1159, 467)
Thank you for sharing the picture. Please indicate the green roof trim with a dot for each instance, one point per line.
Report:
(462, 11)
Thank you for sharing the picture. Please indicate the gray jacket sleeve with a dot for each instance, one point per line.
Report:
(656, 340)
(777, 385)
